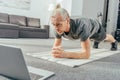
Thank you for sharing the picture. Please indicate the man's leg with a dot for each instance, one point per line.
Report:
(111, 39)
(95, 45)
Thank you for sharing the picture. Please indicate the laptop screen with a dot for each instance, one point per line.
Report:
(13, 66)
(12, 63)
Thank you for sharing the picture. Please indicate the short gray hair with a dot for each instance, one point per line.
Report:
(63, 12)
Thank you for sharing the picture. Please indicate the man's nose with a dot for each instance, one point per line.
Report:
(56, 28)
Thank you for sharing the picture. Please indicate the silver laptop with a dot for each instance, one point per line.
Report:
(13, 66)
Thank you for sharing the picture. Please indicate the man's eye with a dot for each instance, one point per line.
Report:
(53, 24)
(59, 25)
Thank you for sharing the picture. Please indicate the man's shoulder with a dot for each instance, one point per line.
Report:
(80, 20)
(76, 21)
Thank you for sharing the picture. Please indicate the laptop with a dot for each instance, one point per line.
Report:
(13, 66)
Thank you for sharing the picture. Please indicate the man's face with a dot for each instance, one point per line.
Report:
(59, 23)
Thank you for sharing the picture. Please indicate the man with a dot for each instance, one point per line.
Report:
(82, 28)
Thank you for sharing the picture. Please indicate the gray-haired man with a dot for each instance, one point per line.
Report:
(82, 28)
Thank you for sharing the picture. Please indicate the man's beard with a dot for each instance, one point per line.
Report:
(60, 32)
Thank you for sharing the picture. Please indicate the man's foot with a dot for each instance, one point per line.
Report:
(114, 46)
(95, 45)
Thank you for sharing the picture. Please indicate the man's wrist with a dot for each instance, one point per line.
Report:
(66, 55)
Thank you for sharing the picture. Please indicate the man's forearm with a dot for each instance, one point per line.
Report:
(77, 55)
(60, 53)
(57, 43)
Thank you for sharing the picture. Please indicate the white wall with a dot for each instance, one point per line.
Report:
(112, 16)
(92, 7)
(38, 9)
(76, 8)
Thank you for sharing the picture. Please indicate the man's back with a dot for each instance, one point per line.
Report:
(81, 28)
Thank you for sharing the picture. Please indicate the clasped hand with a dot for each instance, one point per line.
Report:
(58, 52)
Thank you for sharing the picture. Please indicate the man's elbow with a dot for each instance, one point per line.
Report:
(84, 55)
(87, 55)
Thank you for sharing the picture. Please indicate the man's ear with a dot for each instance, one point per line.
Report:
(68, 20)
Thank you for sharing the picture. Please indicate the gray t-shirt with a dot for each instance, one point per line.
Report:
(81, 28)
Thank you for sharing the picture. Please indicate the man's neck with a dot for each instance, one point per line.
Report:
(68, 28)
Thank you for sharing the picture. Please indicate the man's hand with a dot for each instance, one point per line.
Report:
(58, 52)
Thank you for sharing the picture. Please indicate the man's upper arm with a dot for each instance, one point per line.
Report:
(85, 33)
(58, 36)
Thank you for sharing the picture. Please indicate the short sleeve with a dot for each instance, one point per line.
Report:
(57, 35)
(84, 33)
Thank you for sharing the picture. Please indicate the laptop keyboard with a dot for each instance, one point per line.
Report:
(32, 76)
(35, 76)
(4, 78)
